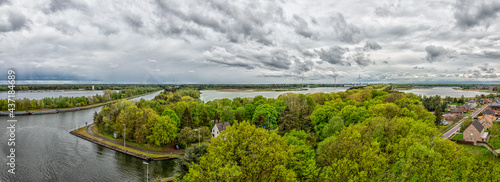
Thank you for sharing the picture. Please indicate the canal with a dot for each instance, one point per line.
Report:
(45, 151)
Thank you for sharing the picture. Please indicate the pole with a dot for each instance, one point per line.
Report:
(199, 142)
(147, 170)
(124, 135)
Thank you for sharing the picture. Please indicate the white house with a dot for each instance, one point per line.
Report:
(219, 127)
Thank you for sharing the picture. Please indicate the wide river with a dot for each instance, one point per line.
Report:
(444, 91)
(208, 95)
(43, 94)
(45, 151)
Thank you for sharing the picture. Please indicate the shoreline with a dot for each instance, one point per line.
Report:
(67, 109)
(83, 134)
(261, 90)
(475, 90)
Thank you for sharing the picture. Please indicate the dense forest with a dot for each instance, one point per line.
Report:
(364, 134)
(67, 102)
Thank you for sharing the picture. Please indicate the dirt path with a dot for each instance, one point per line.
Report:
(89, 130)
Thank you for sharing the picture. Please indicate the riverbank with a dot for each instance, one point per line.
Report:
(476, 90)
(90, 134)
(68, 109)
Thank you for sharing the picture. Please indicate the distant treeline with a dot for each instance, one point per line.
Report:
(78, 86)
(65, 102)
(463, 86)
(259, 86)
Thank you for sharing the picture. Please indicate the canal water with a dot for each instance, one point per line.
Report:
(208, 95)
(42, 94)
(444, 91)
(45, 151)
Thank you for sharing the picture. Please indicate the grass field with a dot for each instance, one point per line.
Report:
(458, 137)
(481, 152)
(495, 142)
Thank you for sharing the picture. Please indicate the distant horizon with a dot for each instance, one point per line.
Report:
(81, 82)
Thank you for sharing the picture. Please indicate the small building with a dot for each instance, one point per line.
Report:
(495, 106)
(457, 112)
(472, 103)
(488, 111)
(486, 121)
(452, 106)
(475, 132)
(464, 108)
(449, 116)
(219, 127)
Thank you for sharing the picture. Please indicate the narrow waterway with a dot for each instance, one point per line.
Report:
(45, 151)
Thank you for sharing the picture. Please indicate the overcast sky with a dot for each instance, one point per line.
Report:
(233, 41)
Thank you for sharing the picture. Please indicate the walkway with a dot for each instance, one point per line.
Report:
(89, 130)
(457, 126)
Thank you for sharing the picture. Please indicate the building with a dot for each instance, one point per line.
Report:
(486, 121)
(449, 116)
(472, 103)
(495, 106)
(488, 111)
(475, 132)
(464, 108)
(219, 127)
(452, 106)
(457, 112)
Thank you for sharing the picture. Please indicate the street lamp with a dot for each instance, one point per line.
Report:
(147, 170)
(124, 135)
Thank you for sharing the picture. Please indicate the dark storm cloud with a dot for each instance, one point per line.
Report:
(437, 53)
(333, 55)
(372, 45)
(346, 32)
(301, 27)
(16, 21)
(471, 13)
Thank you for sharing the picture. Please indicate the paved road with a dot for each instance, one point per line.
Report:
(457, 126)
(89, 130)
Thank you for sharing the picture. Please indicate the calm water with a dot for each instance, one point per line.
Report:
(45, 151)
(208, 95)
(444, 91)
(41, 95)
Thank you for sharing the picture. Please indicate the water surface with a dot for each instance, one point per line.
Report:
(444, 91)
(45, 151)
(208, 95)
(42, 94)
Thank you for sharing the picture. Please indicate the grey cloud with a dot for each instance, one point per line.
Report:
(437, 53)
(492, 54)
(471, 13)
(15, 22)
(64, 27)
(333, 55)
(134, 21)
(416, 67)
(346, 32)
(278, 60)
(221, 56)
(302, 66)
(360, 58)
(487, 68)
(2, 2)
(301, 27)
(61, 5)
(382, 12)
(372, 45)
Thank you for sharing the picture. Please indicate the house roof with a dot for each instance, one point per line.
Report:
(456, 110)
(488, 111)
(222, 126)
(478, 125)
(495, 105)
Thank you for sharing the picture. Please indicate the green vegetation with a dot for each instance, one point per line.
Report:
(360, 135)
(69, 102)
(458, 137)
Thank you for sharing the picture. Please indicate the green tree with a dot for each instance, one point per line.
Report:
(334, 126)
(164, 131)
(187, 135)
(227, 114)
(264, 112)
(239, 147)
(187, 119)
(170, 113)
(193, 156)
